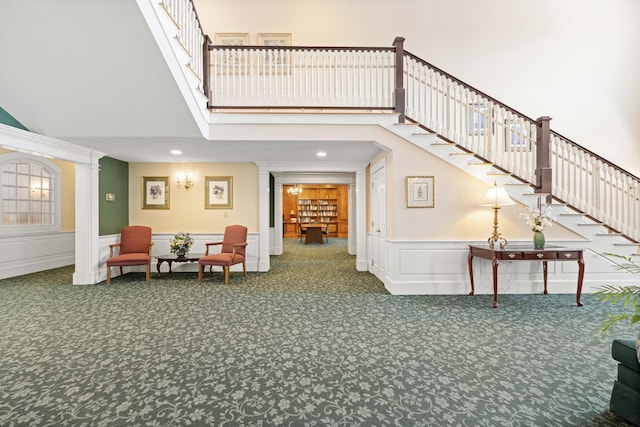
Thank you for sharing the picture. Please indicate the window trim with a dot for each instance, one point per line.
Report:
(57, 186)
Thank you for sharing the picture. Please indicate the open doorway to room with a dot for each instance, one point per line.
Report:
(315, 213)
(326, 200)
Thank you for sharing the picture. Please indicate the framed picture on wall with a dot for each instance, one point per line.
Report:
(155, 192)
(275, 61)
(420, 192)
(218, 192)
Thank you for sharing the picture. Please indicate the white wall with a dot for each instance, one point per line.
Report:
(574, 60)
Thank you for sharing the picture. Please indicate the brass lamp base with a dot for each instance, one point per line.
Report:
(496, 237)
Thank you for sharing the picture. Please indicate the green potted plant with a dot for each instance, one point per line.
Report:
(625, 395)
(629, 296)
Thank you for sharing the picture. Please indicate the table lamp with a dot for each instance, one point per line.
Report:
(496, 197)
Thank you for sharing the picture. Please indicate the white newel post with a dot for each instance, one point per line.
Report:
(87, 266)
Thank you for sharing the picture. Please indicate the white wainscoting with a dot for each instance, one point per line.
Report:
(430, 267)
(161, 247)
(30, 253)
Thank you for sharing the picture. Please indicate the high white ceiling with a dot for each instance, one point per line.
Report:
(89, 72)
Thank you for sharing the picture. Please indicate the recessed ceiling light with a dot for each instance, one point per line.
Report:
(176, 152)
(321, 154)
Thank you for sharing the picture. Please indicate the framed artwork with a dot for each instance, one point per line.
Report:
(276, 61)
(231, 39)
(231, 60)
(155, 192)
(478, 119)
(218, 192)
(420, 192)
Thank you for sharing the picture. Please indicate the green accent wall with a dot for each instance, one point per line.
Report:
(113, 179)
(7, 119)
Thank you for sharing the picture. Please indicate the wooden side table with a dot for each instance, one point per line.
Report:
(526, 253)
(171, 258)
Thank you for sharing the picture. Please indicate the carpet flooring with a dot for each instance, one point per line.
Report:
(313, 342)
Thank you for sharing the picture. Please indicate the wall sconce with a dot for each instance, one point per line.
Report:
(496, 197)
(184, 181)
(294, 191)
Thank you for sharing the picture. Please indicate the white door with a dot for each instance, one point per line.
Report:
(378, 220)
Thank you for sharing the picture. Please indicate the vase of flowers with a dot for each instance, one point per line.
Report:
(538, 218)
(181, 244)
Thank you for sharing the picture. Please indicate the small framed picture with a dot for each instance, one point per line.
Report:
(218, 192)
(276, 61)
(155, 192)
(231, 39)
(420, 192)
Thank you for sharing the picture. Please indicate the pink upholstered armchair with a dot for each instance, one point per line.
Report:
(234, 244)
(135, 249)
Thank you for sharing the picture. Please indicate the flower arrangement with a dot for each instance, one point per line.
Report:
(538, 218)
(181, 243)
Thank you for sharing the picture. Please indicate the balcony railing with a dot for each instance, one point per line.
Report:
(299, 77)
(388, 78)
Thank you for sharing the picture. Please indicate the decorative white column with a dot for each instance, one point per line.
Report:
(264, 262)
(86, 212)
(360, 220)
(277, 218)
(87, 253)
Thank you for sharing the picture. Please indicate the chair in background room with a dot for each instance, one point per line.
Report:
(325, 233)
(301, 231)
(232, 252)
(134, 249)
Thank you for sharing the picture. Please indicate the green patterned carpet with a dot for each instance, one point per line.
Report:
(313, 342)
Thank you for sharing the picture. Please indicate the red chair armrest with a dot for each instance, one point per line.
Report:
(111, 247)
(210, 244)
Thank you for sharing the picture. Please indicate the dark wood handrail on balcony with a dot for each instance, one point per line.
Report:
(389, 78)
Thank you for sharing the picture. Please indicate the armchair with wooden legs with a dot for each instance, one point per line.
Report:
(134, 249)
(232, 252)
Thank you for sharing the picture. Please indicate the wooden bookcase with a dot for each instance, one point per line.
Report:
(325, 203)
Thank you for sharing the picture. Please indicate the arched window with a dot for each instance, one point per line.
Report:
(30, 193)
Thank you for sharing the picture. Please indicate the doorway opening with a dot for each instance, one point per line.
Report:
(315, 213)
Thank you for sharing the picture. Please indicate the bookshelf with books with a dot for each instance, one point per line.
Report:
(308, 204)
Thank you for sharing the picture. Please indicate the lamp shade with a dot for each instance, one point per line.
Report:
(497, 196)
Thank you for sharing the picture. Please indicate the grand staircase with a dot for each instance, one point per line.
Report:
(604, 205)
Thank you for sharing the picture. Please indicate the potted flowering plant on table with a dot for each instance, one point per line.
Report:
(538, 218)
(181, 244)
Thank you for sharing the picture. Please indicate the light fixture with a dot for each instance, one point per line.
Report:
(294, 191)
(185, 181)
(321, 154)
(496, 197)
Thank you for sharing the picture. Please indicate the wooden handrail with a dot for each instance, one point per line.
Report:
(468, 86)
(591, 153)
